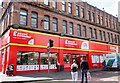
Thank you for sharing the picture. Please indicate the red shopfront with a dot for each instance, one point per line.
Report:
(27, 51)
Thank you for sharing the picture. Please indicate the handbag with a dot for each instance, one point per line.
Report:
(88, 75)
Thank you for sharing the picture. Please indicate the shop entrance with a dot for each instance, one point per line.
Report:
(77, 58)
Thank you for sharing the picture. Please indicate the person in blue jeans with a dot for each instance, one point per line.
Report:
(85, 68)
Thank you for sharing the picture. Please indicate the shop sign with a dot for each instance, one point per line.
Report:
(27, 67)
(70, 43)
(113, 49)
(85, 45)
(23, 36)
(44, 67)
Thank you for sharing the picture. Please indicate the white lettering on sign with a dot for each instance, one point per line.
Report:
(112, 48)
(21, 34)
(69, 42)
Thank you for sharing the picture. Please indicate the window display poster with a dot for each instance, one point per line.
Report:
(27, 67)
(95, 59)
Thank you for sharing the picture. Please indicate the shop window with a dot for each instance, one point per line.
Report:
(67, 58)
(27, 58)
(95, 59)
(23, 17)
(44, 58)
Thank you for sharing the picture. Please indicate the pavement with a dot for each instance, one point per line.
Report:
(39, 76)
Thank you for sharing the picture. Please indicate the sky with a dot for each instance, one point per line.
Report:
(110, 6)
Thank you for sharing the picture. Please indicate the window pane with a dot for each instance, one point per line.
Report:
(84, 31)
(64, 27)
(46, 25)
(66, 58)
(23, 17)
(33, 22)
(46, 2)
(44, 58)
(23, 20)
(78, 30)
(71, 28)
(27, 58)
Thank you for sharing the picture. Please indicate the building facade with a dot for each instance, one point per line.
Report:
(78, 29)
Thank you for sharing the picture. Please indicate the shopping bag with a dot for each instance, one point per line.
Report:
(88, 75)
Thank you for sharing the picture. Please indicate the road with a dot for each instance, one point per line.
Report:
(97, 77)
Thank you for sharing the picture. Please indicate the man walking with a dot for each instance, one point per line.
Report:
(85, 68)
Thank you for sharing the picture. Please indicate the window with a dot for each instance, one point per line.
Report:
(77, 11)
(27, 58)
(112, 37)
(23, 17)
(93, 17)
(90, 32)
(46, 2)
(107, 22)
(89, 15)
(110, 23)
(54, 3)
(69, 7)
(67, 58)
(102, 21)
(34, 20)
(83, 16)
(46, 23)
(64, 24)
(78, 30)
(84, 31)
(95, 34)
(55, 25)
(115, 39)
(63, 5)
(98, 19)
(44, 58)
(118, 38)
(100, 32)
(71, 28)
(104, 35)
(108, 36)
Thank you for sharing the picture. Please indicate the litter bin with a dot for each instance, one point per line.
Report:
(61, 67)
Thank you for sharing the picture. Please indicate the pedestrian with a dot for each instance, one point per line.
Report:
(74, 72)
(104, 64)
(85, 68)
(10, 70)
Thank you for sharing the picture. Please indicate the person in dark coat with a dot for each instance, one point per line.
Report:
(85, 68)
(10, 70)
